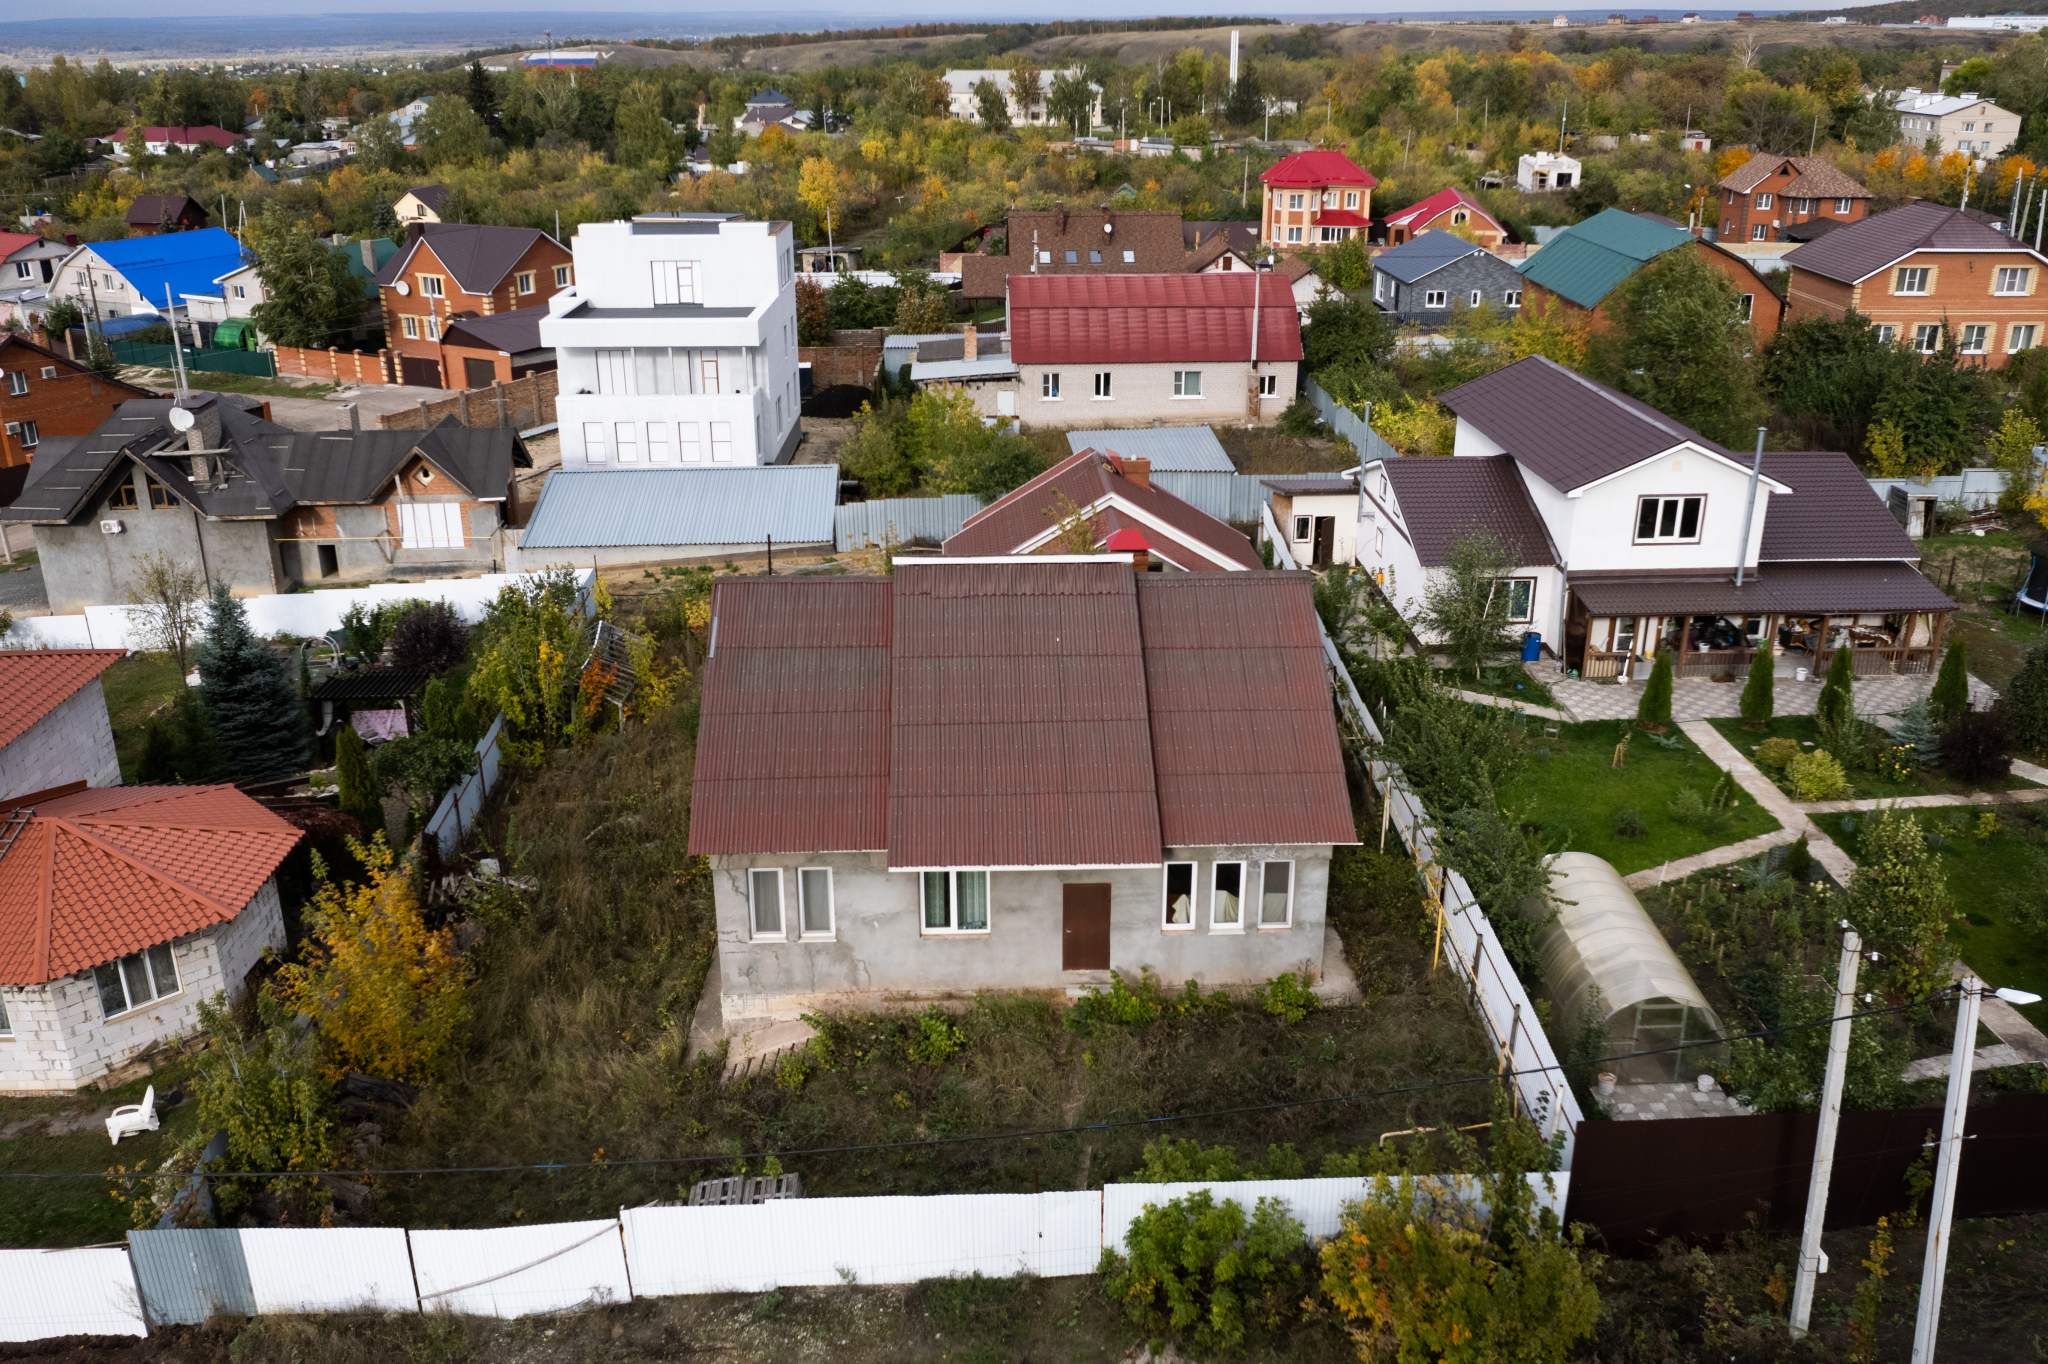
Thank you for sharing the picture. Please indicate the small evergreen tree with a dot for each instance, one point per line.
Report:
(1759, 693)
(1951, 694)
(2026, 702)
(359, 794)
(1919, 735)
(179, 746)
(249, 695)
(1836, 704)
(1653, 711)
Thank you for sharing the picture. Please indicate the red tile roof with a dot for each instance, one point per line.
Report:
(1315, 169)
(34, 682)
(183, 135)
(1024, 707)
(1149, 319)
(1342, 217)
(94, 876)
(1091, 480)
(1422, 211)
(11, 242)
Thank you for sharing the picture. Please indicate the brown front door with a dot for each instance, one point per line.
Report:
(478, 372)
(414, 369)
(1325, 542)
(1084, 925)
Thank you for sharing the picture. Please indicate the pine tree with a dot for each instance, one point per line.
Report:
(1918, 734)
(359, 796)
(1951, 694)
(2026, 701)
(1836, 704)
(1759, 693)
(249, 696)
(1653, 711)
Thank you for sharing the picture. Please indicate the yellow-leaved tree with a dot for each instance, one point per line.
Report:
(388, 994)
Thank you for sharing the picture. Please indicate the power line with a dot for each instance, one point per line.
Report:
(926, 1143)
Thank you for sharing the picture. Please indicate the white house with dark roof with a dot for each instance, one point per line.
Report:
(1632, 533)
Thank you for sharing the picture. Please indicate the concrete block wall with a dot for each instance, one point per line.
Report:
(61, 1040)
(74, 742)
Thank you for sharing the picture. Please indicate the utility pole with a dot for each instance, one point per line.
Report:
(1824, 1135)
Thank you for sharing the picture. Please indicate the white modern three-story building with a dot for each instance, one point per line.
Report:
(677, 344)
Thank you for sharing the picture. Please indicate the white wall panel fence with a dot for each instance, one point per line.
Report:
(464, 800)
(186, 1275)
(292, 613)
(1472, 947)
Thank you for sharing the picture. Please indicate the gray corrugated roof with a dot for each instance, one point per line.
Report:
(1425, 255)
(1169, 449)
(743, 506)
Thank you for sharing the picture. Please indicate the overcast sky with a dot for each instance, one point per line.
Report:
(866, 10)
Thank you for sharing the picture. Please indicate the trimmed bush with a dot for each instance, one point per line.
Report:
(1836, 705)
(1817, 776)
(1653, 711)
(1775, 754)
(1977, 746)
(1759, 692)
(1951, 694)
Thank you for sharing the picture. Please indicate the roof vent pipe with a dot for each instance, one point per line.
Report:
(1756, 473)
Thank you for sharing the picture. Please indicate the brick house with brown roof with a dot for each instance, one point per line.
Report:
(447, 270)
(1768, 193)
(1017, 773)
(44, 393)
(122, 908)
(1924, 273)
(1069, 241)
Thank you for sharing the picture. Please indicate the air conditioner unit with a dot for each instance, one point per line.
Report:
(111, 526)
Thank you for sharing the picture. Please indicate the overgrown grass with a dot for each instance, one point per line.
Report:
(1267, 450)
(137, 688)
(76, 1212)
(1510, 680)
(1998, 884)
(1866, 784)
(223, 381)
(1571, 792)
(1980, 572)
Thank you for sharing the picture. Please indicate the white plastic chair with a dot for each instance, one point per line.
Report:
(129, 1119)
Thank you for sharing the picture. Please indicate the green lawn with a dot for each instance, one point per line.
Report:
(1511, 680)
(1995, 881)
(1570, 792)
(77, 1212)
(137, 688)
(1867, 785)
(223, 381)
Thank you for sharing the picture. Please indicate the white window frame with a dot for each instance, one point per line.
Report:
(2020, 336)
(1182, 388)
(6, 1025)
(31, 435)
(561, 276)
(951, 928)
(524, 281)
(1920, 331)
(17, 383)
(1920, 275)
(431, 525)
(1765, 200)
(755, 933)
(1845, 207)
(433, 286)
(433, 327)
(1166, 925)
(1998, 287)
(410, 325)
(1049, 386)
(1215, 868)
(1888, 333)
(1528, 615)
(1745, 306)
(1130, 258)
(804, 932)
(596, 443)
(1436, 298)
(150, 961)
(626, 440)
(1756, 232)
(1105, 385)
(1287, 921)
(1983, 346)
(1512, 298)
(1304, 529)
(1269, 385)
(1294, 234)
(1677, 536)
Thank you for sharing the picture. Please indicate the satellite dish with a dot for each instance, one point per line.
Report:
(181, 419)
(402, 289)
(1108, 228)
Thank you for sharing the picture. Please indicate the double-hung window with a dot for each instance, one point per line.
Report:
(1670, 520)
(2011, 279)
(136, 980)
(764, 902)
(1927, 338)
(1104, 388)
(1276, 895)
(1911, 279)
(1187, 383)
(814, 902)
(955, 901)
(1976, 338)
(1177, 904)
(1049, 386)
(1226, 897)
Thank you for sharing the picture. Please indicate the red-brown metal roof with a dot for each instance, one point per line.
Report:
(34, 682)
(793, 739)
(1316, 167)
(1014, 713)
(1244, 740)
(1149, 319)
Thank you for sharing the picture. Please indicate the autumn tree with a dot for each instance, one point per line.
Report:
(388, 994)
(1678, 344)
(823, 188)
(642, 133)
(169, 599)
(813, 314)
(258, 1082)
(528, 649)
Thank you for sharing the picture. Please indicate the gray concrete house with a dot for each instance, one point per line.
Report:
(54, 732)
(1428, 280)
(260, 507)
(1013, 774)
(126, 907)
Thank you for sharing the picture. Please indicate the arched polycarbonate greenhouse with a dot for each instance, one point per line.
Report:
(1604, 955)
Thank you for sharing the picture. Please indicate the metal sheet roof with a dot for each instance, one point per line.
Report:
(1425, 255)
(618, 507)
(188, 262)
(1187, 536)
(1586, 261)
(1830, 588)
(1856, 251)
(1442, 499)
(1169, 449)
(1832, 512)
(1149, 319)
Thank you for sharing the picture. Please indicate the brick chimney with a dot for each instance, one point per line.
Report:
(1138, 471)
(970, 343)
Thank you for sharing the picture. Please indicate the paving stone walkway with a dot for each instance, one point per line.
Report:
(2023, 796)
(1697, 698)
(1680, 868)
(1765, 792)
(1647, 1103)
(1481, 698)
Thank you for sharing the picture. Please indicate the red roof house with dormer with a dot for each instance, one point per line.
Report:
(1447, 210)
(1315, 198)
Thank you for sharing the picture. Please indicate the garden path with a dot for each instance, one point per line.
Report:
(1680, 868)
(1480, 698)
(2025, 796)
(1699, 698)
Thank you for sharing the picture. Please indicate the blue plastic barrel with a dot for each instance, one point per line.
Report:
(1532, 646)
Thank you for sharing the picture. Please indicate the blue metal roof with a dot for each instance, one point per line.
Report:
(1423, 255)
(1586, 261)
(1171, 449)
(608, 508)
(187, 261)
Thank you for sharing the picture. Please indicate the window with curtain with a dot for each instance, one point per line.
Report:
(1180, 895)
(1276, 895)
(814, 901)
(955, 901)
(1226, 896)
(764, 895)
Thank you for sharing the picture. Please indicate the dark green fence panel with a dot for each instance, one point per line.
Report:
(198, 361)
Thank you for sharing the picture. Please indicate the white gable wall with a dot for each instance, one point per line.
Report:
(74, 742)
(1601, 532)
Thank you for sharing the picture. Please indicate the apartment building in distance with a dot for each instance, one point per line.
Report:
(677, 344)
(1966, 123)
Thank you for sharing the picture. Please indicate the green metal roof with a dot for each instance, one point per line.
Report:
(381, 249)
(1586, 261)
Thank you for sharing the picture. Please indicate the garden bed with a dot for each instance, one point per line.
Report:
(1866, 783)
(1570, 792)
(1997, 863)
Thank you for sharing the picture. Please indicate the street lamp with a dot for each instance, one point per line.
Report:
(1927, 1320)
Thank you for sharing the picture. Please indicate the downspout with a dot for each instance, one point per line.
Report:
(1756, 473)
